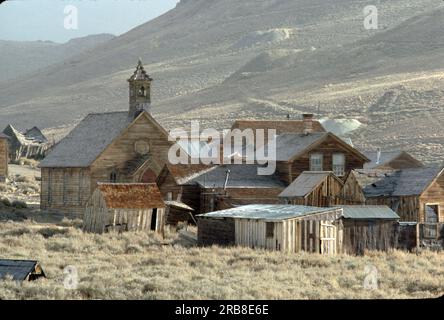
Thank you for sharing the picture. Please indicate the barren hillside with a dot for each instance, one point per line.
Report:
(247, 59)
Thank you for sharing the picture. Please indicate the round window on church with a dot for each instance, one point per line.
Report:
(142, 147)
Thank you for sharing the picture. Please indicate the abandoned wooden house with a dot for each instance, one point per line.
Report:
(286, 228)
(415, 194)
(125, 207)
(126, 146)
(25, 146)
(316, 151)
(4, 157)
(228, 186)
(20, 270)
(365, 228)
(314, 188)
(175, 183)
(390, 160)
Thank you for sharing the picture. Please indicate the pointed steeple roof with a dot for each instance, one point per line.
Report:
(140, 73)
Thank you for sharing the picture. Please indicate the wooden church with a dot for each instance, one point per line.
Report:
(115, 147)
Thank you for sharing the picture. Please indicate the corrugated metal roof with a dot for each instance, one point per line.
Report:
(131, 195)
(241, 176)
(304, 184)
(87, 140)
(267, 212)
(18, 269)
(368, 212)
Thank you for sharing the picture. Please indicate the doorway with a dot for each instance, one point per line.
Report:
(154, 220)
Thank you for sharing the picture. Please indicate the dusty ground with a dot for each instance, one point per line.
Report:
(141, 266)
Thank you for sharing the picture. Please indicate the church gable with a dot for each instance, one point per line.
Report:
(144, 138)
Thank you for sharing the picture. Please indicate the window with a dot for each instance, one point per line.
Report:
(316, 160)
(431, 213)
(339, 164)
(169, 196)
(113, 177)
(142, 92)
(269, 232)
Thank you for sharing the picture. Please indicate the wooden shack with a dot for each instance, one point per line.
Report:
(124, 146)
(25, 146)
(20, 270)
(368, 228)
(4, 157)
(177, 212)
(286, 228)
(125, 207)
(314, 188)
(383, 159)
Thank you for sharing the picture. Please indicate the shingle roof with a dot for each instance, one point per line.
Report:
(241, 176)
(368, 212)
(87, 141)
(281, 126)
(403, 182)
(304, 184)
(18, 269)
(267, 212)
(131, 195)
(184, 173)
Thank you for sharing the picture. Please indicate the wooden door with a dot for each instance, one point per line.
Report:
(328, 238)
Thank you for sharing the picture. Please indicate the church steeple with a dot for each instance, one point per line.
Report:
(139, 91)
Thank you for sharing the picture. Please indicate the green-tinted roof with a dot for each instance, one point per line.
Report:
(267, 212)
(368, 212)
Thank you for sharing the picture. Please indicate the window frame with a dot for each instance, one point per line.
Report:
(333, 165)
(321, 156)
(269, 229)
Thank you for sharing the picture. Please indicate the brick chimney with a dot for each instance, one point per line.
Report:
(308, 123)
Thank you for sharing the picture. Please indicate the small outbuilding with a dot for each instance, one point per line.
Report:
(289, 228)
(314, 188)
(125, 207)
(363, 228)
(177, 212)
(4, 157)
(20, 270)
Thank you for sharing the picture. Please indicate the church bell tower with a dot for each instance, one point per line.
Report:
(139, 91)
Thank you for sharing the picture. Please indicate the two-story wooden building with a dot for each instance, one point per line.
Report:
(126, 146)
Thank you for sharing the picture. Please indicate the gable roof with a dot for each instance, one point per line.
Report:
(36, 134)
(281, 126)
(402, 182)
(241, 176)
(368, 212)
(267, 212)
(16, 135)
(291, 146)
(305, 183)
(386, 157)
(20, 270)
(131, 195)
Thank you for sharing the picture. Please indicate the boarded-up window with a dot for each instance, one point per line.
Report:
(269, 232)
(316, 162)
(339, 164)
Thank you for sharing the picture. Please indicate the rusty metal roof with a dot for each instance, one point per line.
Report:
(131, 195)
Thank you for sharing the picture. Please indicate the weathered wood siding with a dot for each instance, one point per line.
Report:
(4, 159)
(99, 219)
(327, 194)
(364, 235)
(352, 192)
(188, 194)
(327, 149)
(122, 150)
(215, 232)
(433, 195)
(65, 190)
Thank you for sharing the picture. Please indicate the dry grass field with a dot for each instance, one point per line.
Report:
(141, 266)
